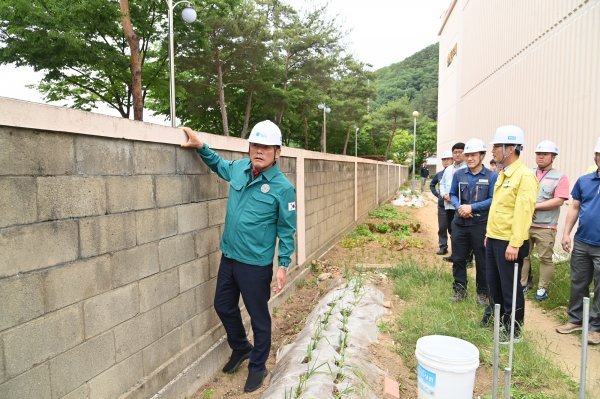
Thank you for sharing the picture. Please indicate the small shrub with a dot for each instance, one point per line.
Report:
(382, 228)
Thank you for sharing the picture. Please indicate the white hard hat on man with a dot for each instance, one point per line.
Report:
(266, 133)
(509, 134)
(547, 146)
(475, 145)
(597, 149)
(446, 154)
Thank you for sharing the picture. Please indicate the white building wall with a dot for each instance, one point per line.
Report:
(533, 63)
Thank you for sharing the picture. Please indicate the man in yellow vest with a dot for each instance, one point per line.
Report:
(507, 231)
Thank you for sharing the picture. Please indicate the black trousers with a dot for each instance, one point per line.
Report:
(466, 242)
(449, 217)
(254, 284)
(500, 274)
(442, 228)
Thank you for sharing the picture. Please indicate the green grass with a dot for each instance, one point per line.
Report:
(429, 312)
(388, 212)
(558, 291)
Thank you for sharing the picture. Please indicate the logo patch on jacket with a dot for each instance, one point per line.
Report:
(291, 206)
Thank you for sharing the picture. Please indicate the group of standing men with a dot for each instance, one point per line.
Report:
(501, 214)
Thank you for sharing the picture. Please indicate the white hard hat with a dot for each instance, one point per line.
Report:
(547, 146)
(509, 134)
(265, 132)
(475, 145)
(597, 149)
(446, 154)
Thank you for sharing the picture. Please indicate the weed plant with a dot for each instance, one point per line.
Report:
(388, 212)
(429, 312)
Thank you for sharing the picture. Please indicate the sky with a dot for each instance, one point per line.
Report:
(380, 33)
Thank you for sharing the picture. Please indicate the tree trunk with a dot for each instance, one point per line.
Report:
(305, 118)
(347, 139)
(279, 116)
(247, 113)
(389, 144)
(136, 65)
(221, 88)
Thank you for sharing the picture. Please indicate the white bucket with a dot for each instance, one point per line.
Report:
(446, 367)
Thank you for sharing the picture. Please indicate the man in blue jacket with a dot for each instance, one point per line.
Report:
(442, 218)
(261, 208)
(471, 194)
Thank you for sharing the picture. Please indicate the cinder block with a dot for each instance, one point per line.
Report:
(214, 261)
(55, 242)
(3, 376)
(135, 263)
(76, 281)
(71, 369)
(106, 310)
(102, 234)
(161, 351)
(207, 241)
(154, 159)
(137, 333)
(35, 383)
(21, 299)
(205, 294)
(192, 217)
(27, 152)
(158, 289)
(391, 389)
(190, 163)
(176, 250)
(103, 156)
(172, 190)
(193, 273)
(80, 393)
(129, 193)
(38, 340)
(178, 310)
(216, 212)
(117, 379)
(204, 187)
(155, 224)
(17, 201)
(198, 326)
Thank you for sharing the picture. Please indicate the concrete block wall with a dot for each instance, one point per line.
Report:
(367, 188)
(109, 249)
(329, 201)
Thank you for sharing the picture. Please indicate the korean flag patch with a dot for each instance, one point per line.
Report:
(291, 206)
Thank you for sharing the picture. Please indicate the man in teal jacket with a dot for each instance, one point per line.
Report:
(261, 208)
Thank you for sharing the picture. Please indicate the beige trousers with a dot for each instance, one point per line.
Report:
(542, 240)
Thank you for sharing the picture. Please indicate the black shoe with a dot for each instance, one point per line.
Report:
(485, 320)
(469, 264)
(255, 380)
(482, 299)
(442, 251)
(448, 259)
(235, 360)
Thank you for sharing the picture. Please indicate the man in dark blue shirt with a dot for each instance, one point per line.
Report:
(471, 194)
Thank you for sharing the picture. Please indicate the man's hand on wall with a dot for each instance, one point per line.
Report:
(281, 275)
(193, 140)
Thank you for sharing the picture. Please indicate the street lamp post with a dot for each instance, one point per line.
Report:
(356, 141)
(326, 110)
(415, 114)
(188, 14)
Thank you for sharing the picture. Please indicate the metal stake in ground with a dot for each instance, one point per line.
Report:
(496, 350)
(508, 370)
(584, 346)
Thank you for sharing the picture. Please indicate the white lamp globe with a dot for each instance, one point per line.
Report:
(188, 15)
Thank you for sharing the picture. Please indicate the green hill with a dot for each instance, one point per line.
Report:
(416, 78)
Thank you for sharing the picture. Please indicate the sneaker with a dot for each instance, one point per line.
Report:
(458, 296)
(505, 337)
(525, 290)
(541, 294)
(442, 251)
(593, 337)
(568, 328)
(255, 380)
(235, 360)
(482, 299)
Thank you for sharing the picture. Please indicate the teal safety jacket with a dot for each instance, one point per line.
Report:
(258, 211)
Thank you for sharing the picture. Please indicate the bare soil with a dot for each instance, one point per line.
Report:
(289, 318)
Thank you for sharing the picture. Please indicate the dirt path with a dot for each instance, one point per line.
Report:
(565, 350)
